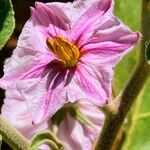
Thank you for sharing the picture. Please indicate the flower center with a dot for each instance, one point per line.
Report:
(65, 50)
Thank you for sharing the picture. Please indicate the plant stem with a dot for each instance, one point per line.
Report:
(12, 136)
(145, 26)
(117, 110)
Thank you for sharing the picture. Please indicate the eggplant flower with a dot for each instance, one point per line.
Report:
(73, 133)
(67, 52)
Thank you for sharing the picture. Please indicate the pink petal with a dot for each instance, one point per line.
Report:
(76, 135)
(82, 16)
(44, 147)
(71, 133)
(31, 40)
(57, 87)
(90, 83)
(47, 93)
(73, 12)
(15, 111)
(92, 112)
(90, 21)
(47, 22)
(30, 57)
(24, 64)
(109, 44)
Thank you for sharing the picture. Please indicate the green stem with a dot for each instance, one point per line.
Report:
(12, 136)
(145, 26)
(117, 110)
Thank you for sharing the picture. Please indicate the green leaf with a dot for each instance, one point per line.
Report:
(126, 66)
(7, 22)
(137, 134)
(46, 138)
(148, 52)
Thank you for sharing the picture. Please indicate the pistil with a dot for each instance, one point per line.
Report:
(66, 51)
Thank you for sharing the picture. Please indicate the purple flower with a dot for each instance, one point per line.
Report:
(67, 52)
(73, 133)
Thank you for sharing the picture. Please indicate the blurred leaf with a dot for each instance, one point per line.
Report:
(148, 52)
(128, 12)
(7, 22)
(138, 135)
(137, 131)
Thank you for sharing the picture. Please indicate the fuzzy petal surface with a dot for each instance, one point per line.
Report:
(39, 75)
(73, 133)
(76, 135)
(15, 111)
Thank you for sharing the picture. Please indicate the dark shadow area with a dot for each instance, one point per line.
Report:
(4, 9)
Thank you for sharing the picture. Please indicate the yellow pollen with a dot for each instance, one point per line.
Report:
(66, 51)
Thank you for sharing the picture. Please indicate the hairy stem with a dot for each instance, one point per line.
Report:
(145, 26)
(117, 110)
(12, 136)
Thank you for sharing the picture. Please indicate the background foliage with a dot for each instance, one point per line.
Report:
(137, 136)
(6, 21)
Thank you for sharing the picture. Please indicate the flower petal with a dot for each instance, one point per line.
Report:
(71, 133)
(89, 22)
(72, 11)
(92, 112)
(15, 111)
(31, 40)
(75, 135)
(48, 22)
(90, 83)
(78, 135)
(109, 44)
(47, 93)
(29, 58)
(24, 64)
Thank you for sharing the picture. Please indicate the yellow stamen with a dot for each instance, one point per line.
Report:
(65, 50)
